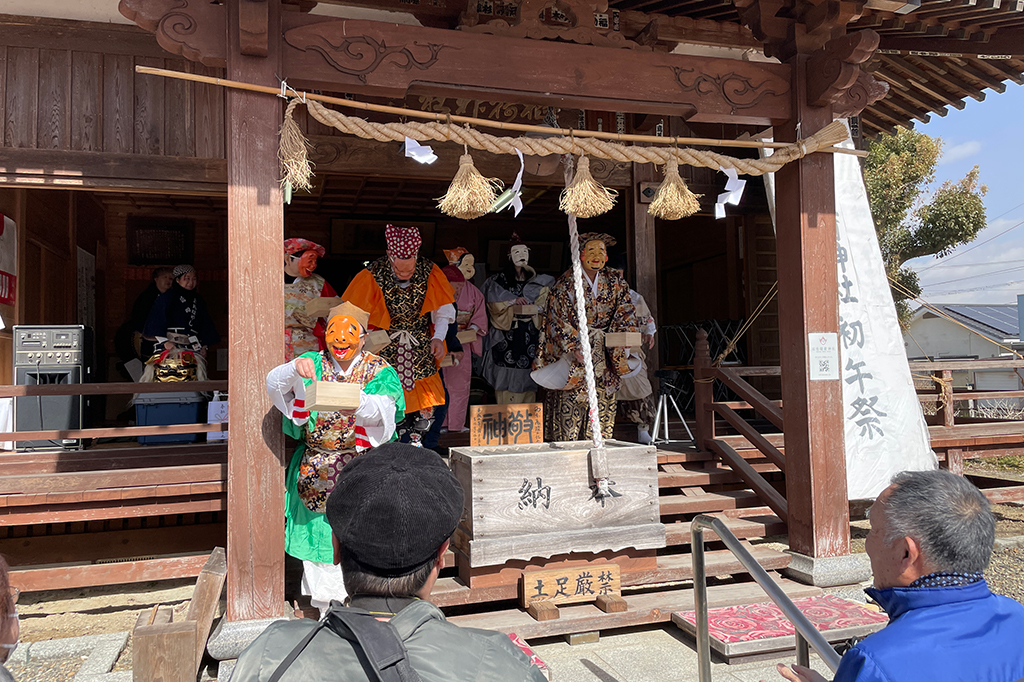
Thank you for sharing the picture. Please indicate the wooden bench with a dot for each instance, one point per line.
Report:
(172, 651)
(75, 519)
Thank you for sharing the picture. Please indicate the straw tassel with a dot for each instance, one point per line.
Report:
(470, 195)
(673, 200)
(296, 168)
(585, 197)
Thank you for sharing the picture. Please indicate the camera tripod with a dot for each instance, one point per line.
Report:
(666, 377)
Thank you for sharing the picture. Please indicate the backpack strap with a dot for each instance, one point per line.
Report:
(377, 639)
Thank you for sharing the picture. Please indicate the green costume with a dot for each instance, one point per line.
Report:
(330, 442)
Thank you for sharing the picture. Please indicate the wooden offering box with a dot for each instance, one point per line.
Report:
(321, 307)
(377, 340)
(467, 336)
(331, 396)
(623, 339)
(524, 310)
(527, 501)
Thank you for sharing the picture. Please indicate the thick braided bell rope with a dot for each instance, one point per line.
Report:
(581, 317)
(831, 134)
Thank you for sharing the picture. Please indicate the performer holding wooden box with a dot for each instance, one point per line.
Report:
(559, 362)
(338, 402)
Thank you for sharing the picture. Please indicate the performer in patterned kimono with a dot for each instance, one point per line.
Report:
(609, 309)
(302, 332)
(330, 439)
(511, 345)
(471, 315)
(410, 297)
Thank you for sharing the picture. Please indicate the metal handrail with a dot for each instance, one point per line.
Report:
(806, 633)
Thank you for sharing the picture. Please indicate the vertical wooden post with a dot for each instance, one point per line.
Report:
(809, 302)
(948, 417)
(255, 322)
(644, 250)
(703, 391)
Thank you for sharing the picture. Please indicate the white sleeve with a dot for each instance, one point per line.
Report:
(285, 386)
(376, 414)
(652, 328)
(441, 318)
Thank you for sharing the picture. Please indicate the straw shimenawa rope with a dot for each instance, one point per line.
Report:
(296, 167)
(585, 197)
(831, 134)
(470, 195)
(673, 200)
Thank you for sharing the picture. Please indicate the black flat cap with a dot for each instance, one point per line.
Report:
(392, 507)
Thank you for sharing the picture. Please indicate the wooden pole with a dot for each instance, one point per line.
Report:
(809, 302)
(643, 251)
(481, 122)
(703, 391)
(255, 324)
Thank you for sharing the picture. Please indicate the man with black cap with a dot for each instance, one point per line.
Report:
(392, 512)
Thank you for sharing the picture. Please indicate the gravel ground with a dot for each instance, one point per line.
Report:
(55, 670)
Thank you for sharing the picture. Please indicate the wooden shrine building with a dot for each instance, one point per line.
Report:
(93, 156)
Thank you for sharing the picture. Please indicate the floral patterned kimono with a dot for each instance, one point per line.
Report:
(609, 309)
(303, 333)
(471, 309)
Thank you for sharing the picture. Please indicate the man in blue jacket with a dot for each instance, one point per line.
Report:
(931, 538)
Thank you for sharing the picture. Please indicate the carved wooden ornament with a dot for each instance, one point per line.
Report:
(834, 75)
(195, 29)
(577, 22)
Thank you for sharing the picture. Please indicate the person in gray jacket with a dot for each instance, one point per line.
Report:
(392, 512)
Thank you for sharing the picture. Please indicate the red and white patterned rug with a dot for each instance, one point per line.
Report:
(750, 629)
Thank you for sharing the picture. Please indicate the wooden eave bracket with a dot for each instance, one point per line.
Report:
(834, 74)
(253, 27)
(195, 31)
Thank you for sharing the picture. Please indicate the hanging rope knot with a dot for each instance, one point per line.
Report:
(404, 337)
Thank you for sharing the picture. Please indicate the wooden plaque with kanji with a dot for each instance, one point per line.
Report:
(506, 424)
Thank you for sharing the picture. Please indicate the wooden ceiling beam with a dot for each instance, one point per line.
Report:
(936, 72)
(999, 43)
(921, 80)
(1001, 68)
(690, 30)
(965, 70)
(906, 89)
(319, 51)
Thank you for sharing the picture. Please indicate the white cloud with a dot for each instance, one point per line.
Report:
(960, 151)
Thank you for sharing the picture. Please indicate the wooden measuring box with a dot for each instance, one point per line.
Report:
(524, 310)
(332, 396)
(467, 336)
(623, 340)
(321, 307)
(527, 501)
(376, 341)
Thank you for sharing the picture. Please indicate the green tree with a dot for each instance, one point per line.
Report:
(912, 221)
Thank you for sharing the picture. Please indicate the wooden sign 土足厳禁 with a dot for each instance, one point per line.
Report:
(542, 591)
(506, 424)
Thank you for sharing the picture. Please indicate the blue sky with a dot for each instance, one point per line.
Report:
(986, 134)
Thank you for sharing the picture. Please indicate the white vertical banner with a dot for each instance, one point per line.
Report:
(8, 260)
(885, 431)
(884, 428)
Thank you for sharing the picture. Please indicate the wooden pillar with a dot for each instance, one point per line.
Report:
(643, 251)
(703, 392)
(255, 323)
(808, 303)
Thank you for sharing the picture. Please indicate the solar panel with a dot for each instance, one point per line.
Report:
(1002, 318)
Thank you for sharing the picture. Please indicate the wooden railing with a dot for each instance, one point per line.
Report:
(945, 398)
(120, 388)
(704, 376)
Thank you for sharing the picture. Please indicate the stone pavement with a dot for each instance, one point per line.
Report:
(653, 654)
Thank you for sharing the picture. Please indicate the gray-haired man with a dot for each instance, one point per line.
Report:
(931, 537)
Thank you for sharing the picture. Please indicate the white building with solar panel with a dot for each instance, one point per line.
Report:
(968, 332)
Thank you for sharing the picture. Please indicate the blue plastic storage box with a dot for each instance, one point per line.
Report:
(159, 409)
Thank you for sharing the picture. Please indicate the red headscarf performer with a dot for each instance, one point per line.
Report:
(471, 311)
(302, 332)
(410, 297)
